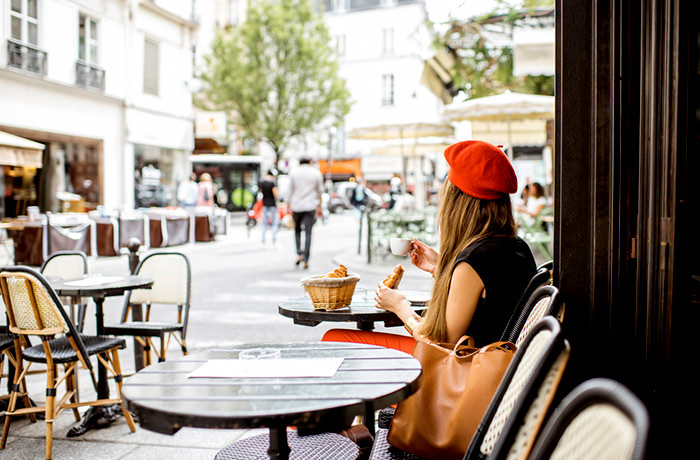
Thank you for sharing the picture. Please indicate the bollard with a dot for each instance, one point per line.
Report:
(133, 246)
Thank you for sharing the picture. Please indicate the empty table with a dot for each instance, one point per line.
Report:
(369, 378)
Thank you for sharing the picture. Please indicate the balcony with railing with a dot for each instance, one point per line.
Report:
(26, 57)
(89, 76)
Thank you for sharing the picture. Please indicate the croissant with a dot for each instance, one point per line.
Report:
(340, 272)
(392, 281)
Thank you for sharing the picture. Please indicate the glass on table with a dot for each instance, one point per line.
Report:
(260, 353)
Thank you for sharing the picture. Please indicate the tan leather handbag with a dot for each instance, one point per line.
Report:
(458, 382)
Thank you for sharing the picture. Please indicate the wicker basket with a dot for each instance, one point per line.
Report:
(330, 293)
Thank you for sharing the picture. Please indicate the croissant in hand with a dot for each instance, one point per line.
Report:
(392, 281)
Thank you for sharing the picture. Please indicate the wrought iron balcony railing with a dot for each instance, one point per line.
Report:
(89, 76)
(26, 57)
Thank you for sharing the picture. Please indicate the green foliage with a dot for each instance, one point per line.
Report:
(483, 69)
(276, 74)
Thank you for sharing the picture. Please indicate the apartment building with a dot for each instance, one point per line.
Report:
(105, 85)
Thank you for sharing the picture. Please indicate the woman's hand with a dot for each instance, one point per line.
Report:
(423, 256)
(392, 300)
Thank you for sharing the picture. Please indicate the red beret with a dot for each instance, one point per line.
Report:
(480, 169)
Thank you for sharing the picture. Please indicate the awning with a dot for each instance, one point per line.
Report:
(18, 151)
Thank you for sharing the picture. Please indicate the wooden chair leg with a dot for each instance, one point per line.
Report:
(116, 365)
(50, 408)
(72, 385)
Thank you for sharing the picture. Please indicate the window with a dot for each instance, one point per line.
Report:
(388, 41)
(233, 12)
(388, 89)
(339, 44)
(24, 21)
(87, 39)
(362, 4)
(151, 66)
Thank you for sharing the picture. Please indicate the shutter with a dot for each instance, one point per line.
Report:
(151, 67)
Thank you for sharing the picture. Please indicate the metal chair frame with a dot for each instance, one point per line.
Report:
(541, 278)
(35, 283)
(531, 314)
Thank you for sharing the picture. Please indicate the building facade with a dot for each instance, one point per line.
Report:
(105, 86)
(382, 46)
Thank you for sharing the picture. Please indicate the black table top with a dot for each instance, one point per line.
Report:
(370, 377)
(361, 310)
(111, 288)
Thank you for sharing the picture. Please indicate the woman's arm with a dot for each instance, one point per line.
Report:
(465, 290)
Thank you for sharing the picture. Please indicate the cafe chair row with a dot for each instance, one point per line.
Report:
(33, 308)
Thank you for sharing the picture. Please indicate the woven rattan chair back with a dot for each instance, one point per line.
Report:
(541, 278)
(543, 302)
(33, 308)
(68, 265)
(516, 411)
(600, 419)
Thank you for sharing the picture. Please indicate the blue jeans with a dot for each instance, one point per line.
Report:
(271, 218)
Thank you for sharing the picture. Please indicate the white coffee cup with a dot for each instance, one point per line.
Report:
(400, 246)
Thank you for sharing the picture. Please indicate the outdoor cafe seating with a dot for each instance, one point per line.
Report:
(34, 309)
(101, 233)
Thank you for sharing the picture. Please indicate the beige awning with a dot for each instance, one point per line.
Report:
(18, 151)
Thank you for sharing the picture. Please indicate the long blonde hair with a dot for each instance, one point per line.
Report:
(462, 221)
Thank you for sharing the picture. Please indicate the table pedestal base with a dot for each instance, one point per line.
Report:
(279, 448)
(95, 418)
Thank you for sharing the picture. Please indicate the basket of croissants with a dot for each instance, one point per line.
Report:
(333, 290)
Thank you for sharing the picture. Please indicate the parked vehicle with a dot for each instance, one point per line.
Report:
(339, 199)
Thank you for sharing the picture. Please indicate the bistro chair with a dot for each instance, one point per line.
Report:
(545, 301)
(172, 286)
(69, 265)
(511, 422)
(33, 308)
(600, 419)
(541, 278)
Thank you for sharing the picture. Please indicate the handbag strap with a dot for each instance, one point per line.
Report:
(464, 338)
(504, 346)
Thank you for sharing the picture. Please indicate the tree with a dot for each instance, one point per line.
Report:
(276, 74)
(483, 64)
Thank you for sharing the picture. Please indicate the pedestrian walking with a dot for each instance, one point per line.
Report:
(304, 199)
(271, 217)
(205, 195)
(188, 192)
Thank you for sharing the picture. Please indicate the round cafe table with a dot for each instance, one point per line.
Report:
(370, 378)
(361, 311)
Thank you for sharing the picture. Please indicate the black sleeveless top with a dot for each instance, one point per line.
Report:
(505, 266)
(268, 197)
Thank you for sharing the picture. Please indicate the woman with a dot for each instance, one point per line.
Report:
(482, 268)
(534, 205)
(206, 191)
